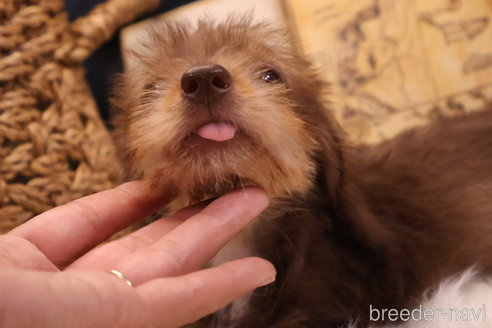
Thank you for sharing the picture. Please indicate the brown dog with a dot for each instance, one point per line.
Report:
(229, 105)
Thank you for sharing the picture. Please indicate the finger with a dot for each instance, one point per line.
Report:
(194, 242)
(100, 300)
(19, 253)
(105, 256)
(198, 294)
(67, 231)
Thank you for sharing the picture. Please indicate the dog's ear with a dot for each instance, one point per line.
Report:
(329, 157)
(312, 95)
(347, 205)
(348, 208)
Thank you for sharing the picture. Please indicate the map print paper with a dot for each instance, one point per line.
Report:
(395, 64)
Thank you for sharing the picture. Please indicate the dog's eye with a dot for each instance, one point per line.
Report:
(150, 92)
(151, 86)
(271, 76)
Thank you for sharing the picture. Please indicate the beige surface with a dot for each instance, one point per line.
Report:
(397, 63)
(269, 10)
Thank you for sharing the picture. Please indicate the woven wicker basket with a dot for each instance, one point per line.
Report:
(53, 144)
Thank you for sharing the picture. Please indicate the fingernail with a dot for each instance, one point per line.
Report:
(268, 281)
(270, 273)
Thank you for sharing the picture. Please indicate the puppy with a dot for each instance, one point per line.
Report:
(229, 105)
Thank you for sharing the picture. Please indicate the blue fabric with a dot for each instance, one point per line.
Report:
(106, 62)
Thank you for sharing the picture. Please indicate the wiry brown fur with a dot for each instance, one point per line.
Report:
(348, 226)
(155, 121)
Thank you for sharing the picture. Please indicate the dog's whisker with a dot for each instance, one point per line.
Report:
(242, 185)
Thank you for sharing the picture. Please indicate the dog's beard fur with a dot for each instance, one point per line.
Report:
(348, 227)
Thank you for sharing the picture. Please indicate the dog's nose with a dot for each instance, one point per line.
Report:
(206, 84)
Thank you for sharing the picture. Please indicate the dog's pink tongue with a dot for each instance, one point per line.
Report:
(217, 131)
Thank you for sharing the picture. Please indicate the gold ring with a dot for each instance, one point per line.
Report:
(121, 276)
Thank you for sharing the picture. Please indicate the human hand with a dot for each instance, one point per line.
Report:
(52, 276)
